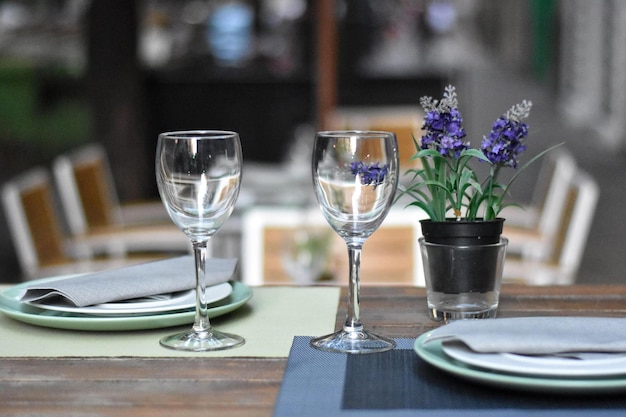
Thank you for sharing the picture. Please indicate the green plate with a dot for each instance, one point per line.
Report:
(432, 353)
(11, 306)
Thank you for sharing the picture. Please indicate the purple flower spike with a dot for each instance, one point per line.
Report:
(505, 142)
(373, 174)
(445, 130)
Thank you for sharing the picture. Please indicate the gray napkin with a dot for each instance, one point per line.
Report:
(537, 335)
(142, 280)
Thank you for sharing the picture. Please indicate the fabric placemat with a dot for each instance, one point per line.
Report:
(398, 383)
(268, 322)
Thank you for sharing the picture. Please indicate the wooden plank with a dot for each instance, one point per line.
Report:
(132, 386)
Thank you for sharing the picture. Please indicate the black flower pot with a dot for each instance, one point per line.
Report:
(463, 232)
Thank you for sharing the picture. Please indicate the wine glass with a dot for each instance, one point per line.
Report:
(198, 176)
(355, 176)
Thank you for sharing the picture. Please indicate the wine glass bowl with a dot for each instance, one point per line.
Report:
(355, 177)
(198, 176)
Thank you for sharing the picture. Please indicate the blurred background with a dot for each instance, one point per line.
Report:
(118, 72)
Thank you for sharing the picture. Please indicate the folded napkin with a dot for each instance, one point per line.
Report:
(142, 280)
(537, 335)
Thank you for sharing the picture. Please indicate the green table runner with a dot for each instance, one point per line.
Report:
(268, 322)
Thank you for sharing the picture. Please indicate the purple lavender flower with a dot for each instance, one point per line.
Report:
(372, 174)
(444, 132)
(505, 142)
(441, 184)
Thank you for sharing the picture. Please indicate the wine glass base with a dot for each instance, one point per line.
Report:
(193, 341)
(354, 341)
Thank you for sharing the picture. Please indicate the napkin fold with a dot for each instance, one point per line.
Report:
(142, 280)
(537, 335)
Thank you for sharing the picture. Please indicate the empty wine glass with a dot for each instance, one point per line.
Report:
(355, 175)
(198, 176)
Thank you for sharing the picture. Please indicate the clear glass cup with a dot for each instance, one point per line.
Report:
(355, 176)
(198, 175)
(462, 281)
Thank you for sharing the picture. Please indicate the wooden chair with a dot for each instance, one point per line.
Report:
(390, 256)
(556, 168)
(91, 207)
(89, 197)
(41, 244)
(534, 238)
(572, 232)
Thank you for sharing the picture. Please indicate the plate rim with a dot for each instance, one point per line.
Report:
(433, 354)
(464, 354)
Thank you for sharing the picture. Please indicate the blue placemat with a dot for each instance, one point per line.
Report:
(399, 383)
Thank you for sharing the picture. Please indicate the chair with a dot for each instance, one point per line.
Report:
(556, 167)
(390, 256)
(88, 195)
(89, 201)
(41, 245)
(571, 237)
(534, 237)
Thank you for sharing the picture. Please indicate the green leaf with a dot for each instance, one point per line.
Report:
(476, 153)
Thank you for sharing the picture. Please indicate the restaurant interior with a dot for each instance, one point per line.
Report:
(282, 326)
(76, 89)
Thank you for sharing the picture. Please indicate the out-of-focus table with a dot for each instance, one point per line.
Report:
(242, 386)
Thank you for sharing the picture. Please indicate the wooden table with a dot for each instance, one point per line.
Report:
(242, 386)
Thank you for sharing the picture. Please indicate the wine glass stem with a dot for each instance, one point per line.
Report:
(353, 318)
(201, 323)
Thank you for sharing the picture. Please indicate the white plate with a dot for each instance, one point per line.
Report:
(161, 304)
(432, 353)
(593, 364)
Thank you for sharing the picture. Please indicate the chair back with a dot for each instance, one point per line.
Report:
(572, 233)
(574, 229)
(86, 189)
(553, 206)
(34, 225)
(561, 170)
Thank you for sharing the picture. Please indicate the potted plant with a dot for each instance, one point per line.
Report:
(462, 247)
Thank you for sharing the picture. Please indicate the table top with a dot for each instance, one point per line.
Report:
(244, 386)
